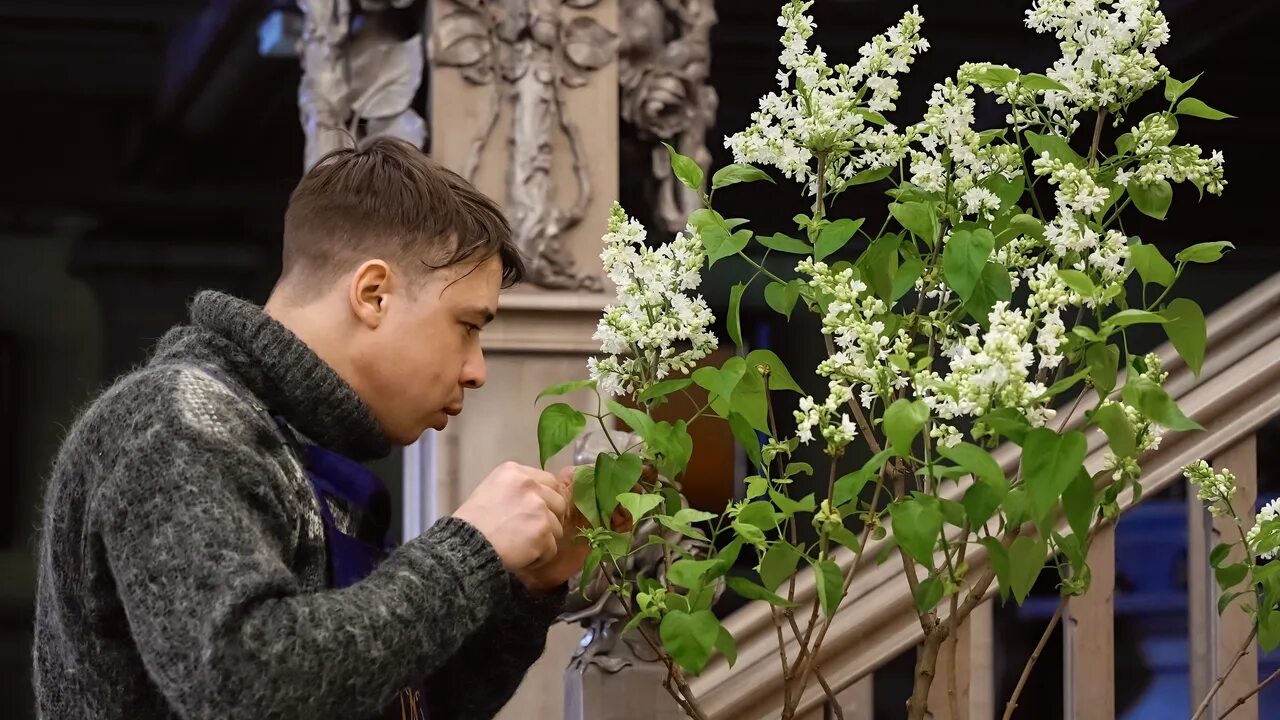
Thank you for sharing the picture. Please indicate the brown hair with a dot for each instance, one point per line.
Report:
(389, 199)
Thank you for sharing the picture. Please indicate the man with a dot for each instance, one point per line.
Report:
(211, 547)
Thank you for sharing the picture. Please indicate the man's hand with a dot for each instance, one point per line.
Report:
(572, 550)
(521, 512)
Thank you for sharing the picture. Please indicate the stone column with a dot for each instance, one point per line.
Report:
(523, 101)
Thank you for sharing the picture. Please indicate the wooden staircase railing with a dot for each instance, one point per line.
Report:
(1237, 392)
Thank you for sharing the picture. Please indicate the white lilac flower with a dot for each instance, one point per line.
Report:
(953, 152)
(862, 361)
(1157, 160)
(1108, 49)
(655, 328)
(832, 111)
(1215, 489)
(829, 417)
(1264, 537)
(988, 370)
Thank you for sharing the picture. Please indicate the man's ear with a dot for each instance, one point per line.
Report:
(370, 291)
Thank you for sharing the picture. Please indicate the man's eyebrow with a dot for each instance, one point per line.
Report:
(485, 314)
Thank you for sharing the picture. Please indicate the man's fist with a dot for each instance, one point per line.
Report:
(521, 511)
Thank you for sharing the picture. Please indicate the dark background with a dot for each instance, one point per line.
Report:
(149, 149)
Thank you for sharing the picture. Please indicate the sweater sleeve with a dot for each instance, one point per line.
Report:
(486, 671)
(199, 545)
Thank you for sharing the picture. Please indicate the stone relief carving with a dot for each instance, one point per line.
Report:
(361, 71)
(664, 66)
(532, 53)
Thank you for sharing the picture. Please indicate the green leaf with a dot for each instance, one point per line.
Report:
(978, 462)
(1187, 331)
(849, 486)
(673, 446)
(1036, 81)
(733, 322)
(791, 507)
(797, 468)
(689, 637)
(639, 505)
(714, 230)
(1027, 225)
(1268, 629)
(879, 264)
(1079, 282)
(1009, 191)
(685, 169)
(928, 593)
(916, 525)
(1049, 463)
(558, 425)
(834, 236)
(1205, 252)
(918, 217)
(1230, 575)
(1151, 265)
(964, 258)
(751, 591)
(615, 475)
(681, 527)
(760, 514)
(981, 502)
(1113, 421)
(779, 377)
(746, 437)
(565, 387)
(1125, 143)
(999, 557)
(1218, 554)
(778, 564)
(952, 512)
(749, 401)
(727, 646)
(1225, 600)
(785, 243)
(1057, 148)
(992, 287)
(1067, 382)
(1009, 423)
(1152, 401)
(1196, 108)
(723, 380)
(594, 558)
(1152, 199)
(1026, 559)
(692, 515)
(845, 537)
(995, 77)
(903, 420)
(870, 176)
(738, 173)
(691, 574)
(1125, 318)
(1174, 89)
(905, 279)
(830, 585)
(663, 389)
(782, 297)
(635, 419)
(584, 493)
(1077, 503)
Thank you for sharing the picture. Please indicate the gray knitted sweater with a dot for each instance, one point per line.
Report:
(182, 569)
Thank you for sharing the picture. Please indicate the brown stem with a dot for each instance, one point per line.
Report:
(782, 654)
(1035, 655)
(926, 665)
(1217, 684)
(803, 663)
(1097, 135)
(952, 651)
(1242, 700)
(832, 701)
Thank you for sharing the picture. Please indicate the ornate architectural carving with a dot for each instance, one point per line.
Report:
(358, 79)
(531, 52)
(664, 65)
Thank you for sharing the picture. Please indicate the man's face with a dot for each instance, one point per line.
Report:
(417, 363)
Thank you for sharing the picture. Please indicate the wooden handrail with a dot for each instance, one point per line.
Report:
(1238, 390)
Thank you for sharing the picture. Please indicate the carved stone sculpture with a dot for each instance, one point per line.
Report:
(531, 52)
(358, 80)
(664, 66)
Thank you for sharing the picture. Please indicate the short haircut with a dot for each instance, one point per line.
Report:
(387, 199)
